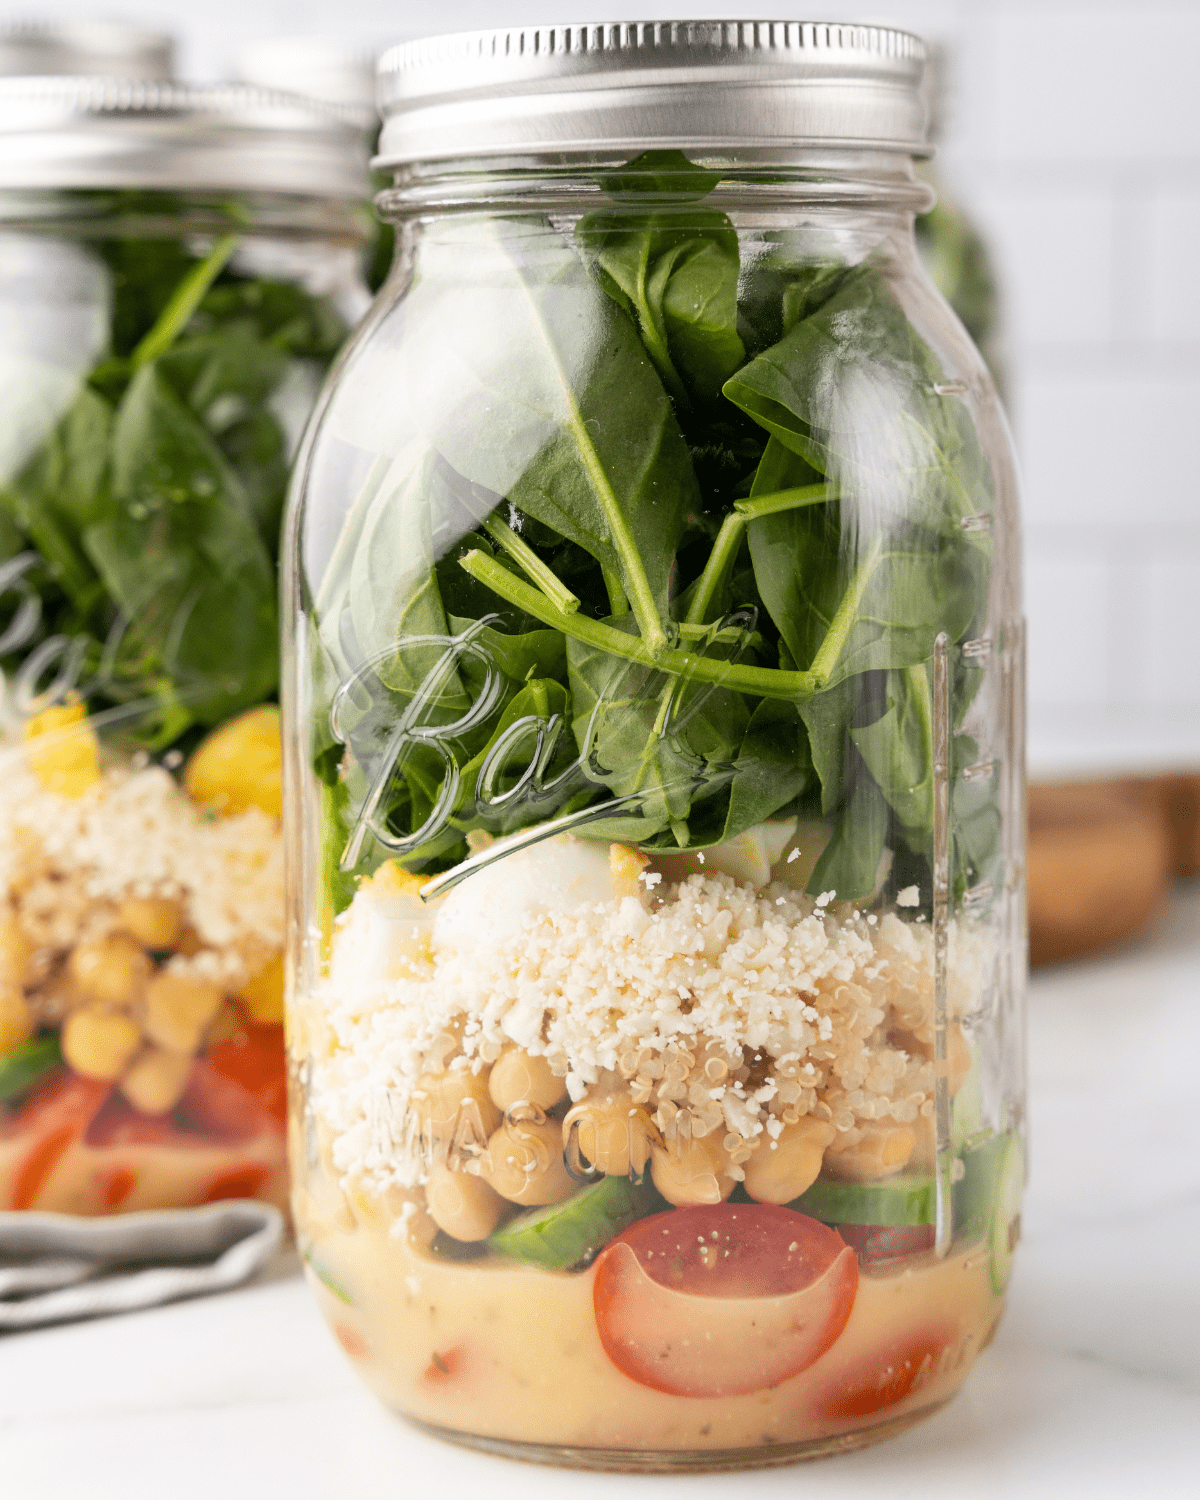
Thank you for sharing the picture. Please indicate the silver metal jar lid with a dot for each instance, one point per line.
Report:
(127, 133)
(320, 67)
(92, 48)
(699, 85)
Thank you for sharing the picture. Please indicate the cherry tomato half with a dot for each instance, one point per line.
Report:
(888, 1376)
(722, 1300)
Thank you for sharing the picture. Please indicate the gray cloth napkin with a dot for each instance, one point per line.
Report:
(55, 1268)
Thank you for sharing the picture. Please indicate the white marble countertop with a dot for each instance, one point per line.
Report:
(1092, 1388)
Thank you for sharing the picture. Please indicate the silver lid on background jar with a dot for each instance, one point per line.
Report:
(631, 86)
(129, 133)
(98, 49)
(320, 67)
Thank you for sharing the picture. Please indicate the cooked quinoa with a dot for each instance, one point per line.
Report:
(718, 1007)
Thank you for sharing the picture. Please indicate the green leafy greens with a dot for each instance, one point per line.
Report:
(658, 540)
(146, 520)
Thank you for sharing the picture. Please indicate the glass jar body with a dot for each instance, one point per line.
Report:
(160, 355)
(655, 782)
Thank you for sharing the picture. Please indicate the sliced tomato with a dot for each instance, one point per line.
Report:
(888, 1375)
(874, 1243)
(243, 1181)
(52, 1119)
(255, 1059)
(119, 1124)
(722, 1300)
(239, 1090)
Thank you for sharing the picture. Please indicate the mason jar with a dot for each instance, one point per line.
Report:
(653, 757)
(177, 268)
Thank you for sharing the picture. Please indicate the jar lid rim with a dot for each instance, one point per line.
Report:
(713, 82)
(81, 131)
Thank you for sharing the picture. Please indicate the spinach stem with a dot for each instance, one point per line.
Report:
(725, 548)
(763, 682)
(636, 584)
(528, 560)
(184, 301)
(779, 500)
(844, 616)
(617, 602)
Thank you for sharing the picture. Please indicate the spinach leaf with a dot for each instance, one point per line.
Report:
(531, 384)
(855, 391)
(897, 749)
(676, 275)
(849, 863)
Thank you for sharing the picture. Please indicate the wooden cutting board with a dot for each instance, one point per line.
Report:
(1101, 856)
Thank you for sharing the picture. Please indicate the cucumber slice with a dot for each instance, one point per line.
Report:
(1005, 1227)
(966, 1119)
(21, 1070)
(563, 1234)
(906, 1199)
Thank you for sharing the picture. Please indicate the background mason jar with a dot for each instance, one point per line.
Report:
(654, 686)
(177, 268)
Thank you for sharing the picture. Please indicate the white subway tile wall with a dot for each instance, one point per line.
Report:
(1077, 147)
(1074, 139)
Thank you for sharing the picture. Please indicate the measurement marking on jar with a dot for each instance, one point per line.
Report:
(978, 649)
(978, 895)
(981, 522)
(950, 388)
(982, 770)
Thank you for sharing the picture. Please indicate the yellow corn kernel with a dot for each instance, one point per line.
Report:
(179, 1008)
(156, 1081)
(100, 1044)
(784, 1166)
(16, 1022)
(465, 1206)
(263, 995)
(16, 951)
(155, 921)
(524, 1161)
(69, 762)
(625, 864)
(610, 1134)
(112, 971)
(518, 1078)
(881, 1149)
(392, 879)
(240, 765)
(692, 1171)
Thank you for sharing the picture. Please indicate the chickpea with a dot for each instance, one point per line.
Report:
(100, 1044)
(518, 1078)
(882, 1149)
(958, 1052)
(524, 1161)
(463, 1205)
(112, 971)
(455, 1114)
(156, 1081)
(611, 1134)
(263, 995)
(16, 1021)
(154, 921)
(16, 953)
(785, 1166)
(692, 1171)
(179, 1008)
